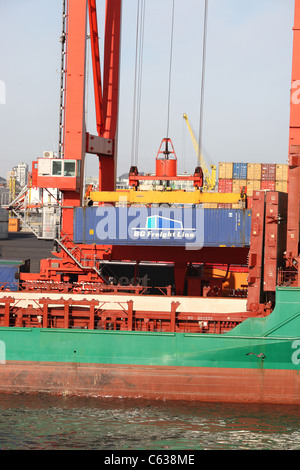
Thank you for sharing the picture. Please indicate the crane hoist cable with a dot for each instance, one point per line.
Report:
(170, 69)
(203, 77)
(140, 27)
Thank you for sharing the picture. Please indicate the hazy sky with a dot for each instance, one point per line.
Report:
(247, 85)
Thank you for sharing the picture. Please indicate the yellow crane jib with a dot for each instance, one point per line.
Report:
(210, 177)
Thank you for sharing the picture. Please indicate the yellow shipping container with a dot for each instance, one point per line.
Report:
(281, 172)
(221, 170)
(252, 185)
(210, 205)
(281, 186)
(225, 170)
(256, 185)
(254, 171)
(228, 170)
(237, 185)
(249, 188)
(250, 171)
(236, 205)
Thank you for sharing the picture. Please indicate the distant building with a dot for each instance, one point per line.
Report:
(123, 181)
(21, 172)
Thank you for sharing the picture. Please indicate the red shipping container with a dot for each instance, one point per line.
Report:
(249, 202)
(268, 185)
(228, 186)
(221, 186)
(224, 205)
(268, 171)
(225, 186)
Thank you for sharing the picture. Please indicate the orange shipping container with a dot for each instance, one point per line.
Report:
(234, 280)
(13, 225)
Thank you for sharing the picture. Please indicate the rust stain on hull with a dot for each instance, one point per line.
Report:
(152, 382)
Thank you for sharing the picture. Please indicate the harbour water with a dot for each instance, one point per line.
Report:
(67, 423)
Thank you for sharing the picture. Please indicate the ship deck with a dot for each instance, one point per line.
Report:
(24, 245)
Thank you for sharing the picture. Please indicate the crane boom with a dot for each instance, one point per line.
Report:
(210, 177)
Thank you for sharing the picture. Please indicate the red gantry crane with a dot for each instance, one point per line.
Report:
(67, 173)
(273, 255)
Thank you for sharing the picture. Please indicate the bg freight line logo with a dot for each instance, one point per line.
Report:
(165, 228)
(147, 226)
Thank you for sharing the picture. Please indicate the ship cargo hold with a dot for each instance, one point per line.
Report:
(219, 319)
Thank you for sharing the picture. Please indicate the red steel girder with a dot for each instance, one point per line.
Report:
(275, 238)
(96, 66)
(108, 164)
(111, 66)
(256, 252)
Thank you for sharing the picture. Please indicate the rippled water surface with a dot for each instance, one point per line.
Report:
(55, 423)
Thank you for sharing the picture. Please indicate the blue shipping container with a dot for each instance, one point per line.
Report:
(192, 227)
(239, 171)
(8, 277)
(227, 227)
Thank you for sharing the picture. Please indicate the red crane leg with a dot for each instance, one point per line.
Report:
(294, 148)
(75, 132)
(107, 165)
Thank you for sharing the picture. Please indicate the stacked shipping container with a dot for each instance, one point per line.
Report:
(253, 177)
(281, 183)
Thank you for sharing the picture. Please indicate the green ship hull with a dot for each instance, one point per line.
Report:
(258, 361)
